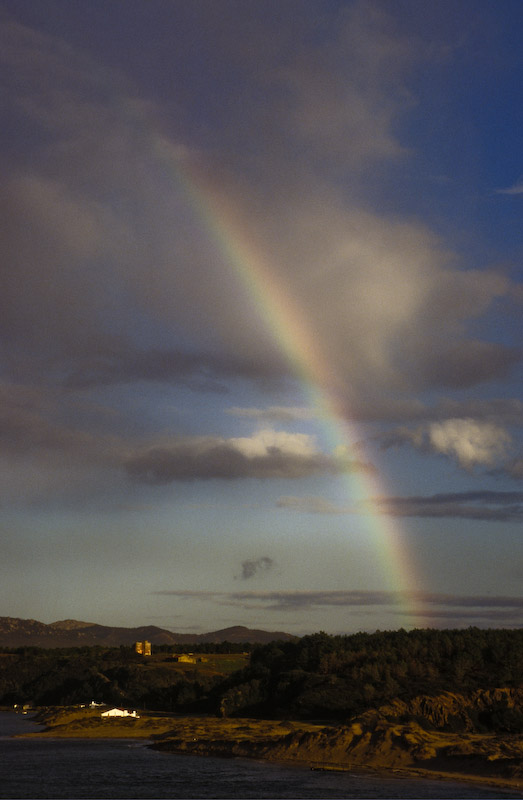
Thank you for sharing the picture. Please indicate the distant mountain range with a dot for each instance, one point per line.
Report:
(16, 632)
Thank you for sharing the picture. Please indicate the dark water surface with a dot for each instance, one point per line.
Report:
(127, 769)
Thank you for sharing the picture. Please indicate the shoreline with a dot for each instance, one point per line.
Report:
(513, 787)
(500, 784)
(314, 746)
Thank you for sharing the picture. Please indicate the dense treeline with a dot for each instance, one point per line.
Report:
(127, 651)
(318, 676)
(206, 647)
(339, 676)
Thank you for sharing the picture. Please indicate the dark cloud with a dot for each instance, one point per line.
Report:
(503, 410)
(485, 506)
(282, 601)
(514, 469)
(204, 459)
(29, 427)
(96, 238)
(506, 615)
(430, 608)
(274, 413)
(200, 371)
(255, 567)
(470, 363)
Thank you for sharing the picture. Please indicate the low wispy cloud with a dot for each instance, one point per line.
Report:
(274, 413)
(516, 188)
(255, 567)
(348, 597)
(312, 504)
(510, 617)
(423, 603)
(485, 506)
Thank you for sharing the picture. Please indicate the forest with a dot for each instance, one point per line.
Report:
(319, 676)
(336, 677)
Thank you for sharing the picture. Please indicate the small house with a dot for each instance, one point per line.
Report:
(189, 658)
(119, 712)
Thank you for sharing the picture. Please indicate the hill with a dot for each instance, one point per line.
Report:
(16, 632)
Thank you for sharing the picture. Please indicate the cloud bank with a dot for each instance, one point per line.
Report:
(268, 454)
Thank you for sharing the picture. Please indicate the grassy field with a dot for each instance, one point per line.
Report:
(88, 723)
(211, 663)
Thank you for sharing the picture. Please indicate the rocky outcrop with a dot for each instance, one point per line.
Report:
(479, 711)
(375, 743)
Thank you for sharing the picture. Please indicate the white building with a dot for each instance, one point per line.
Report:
(119, 712)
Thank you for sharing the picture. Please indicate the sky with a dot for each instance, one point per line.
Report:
(260, 313)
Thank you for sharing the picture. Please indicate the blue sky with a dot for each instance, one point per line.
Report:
(260, 313)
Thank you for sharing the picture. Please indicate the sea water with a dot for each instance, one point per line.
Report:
(127, 769)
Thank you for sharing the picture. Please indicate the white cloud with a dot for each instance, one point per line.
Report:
(469, 442)
(263, 442)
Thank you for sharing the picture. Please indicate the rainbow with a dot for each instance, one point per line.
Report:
(283, 318)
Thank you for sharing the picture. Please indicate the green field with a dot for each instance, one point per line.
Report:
(210, 663)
